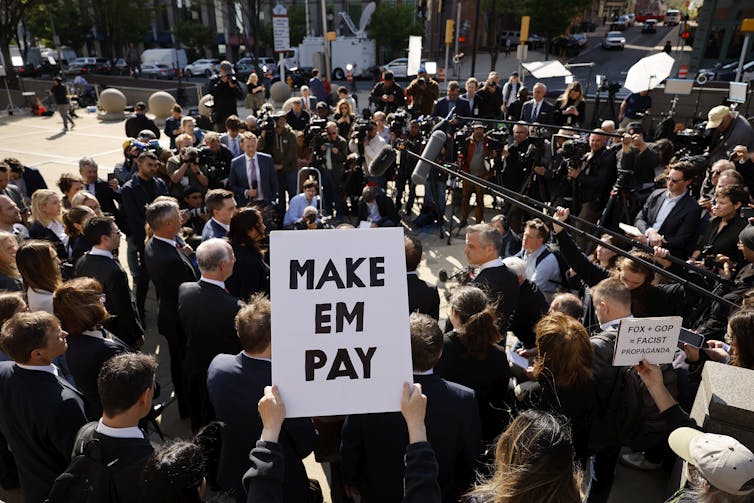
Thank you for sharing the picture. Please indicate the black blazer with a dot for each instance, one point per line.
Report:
(236, 384)
(679, 228)
(38, 231)
(206, 313)
(373, 445)
(250, 273)
(136, 197)
(10, 284)
(109, 202)
(40, 427)
(33, 180)
(85, 356)
(501, 286)
(119, 300)
(422, 297)
(168, 268)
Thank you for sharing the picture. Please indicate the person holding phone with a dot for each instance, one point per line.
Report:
(720, 238)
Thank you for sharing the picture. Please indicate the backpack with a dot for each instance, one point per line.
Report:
(552, 249)
(87, 479)
(631, 410)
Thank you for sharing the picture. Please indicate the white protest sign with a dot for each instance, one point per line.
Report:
(651, 339)
(340, 335)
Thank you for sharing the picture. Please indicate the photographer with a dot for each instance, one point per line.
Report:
(637, 157)
(490, 98)
(372, 144)
(183, 168)
(406, 167)
(474, 154)
(309, 221)
(721, 234)
(214, 160)
(593, 180)
(330, 151)
(423, 93)
(225, 90)
(570, 149)
(280, 143)
(307, 198)
(387, 96)
(523, 169)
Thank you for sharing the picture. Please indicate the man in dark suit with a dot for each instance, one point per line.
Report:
(531, 305)
(378, 209)
(373, 445)
(106, 192)
(126, 387)
(482, 250)
(6, 189)
(222, 207)
(670, 217)
(27, 179)
(236, 384)
(252, 175)
(137, 193)
(538, 109)
(422, 297)
(206, 312)
(472, 85)
(510, 242)
(169, 266)
(452, 101)
(139, 121)
(41, 411)
(100, 264)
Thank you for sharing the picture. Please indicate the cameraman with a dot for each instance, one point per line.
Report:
(183, 168)
(593, 181)
(330, 151)
(721, 234)
(406, 167)
(309, 221)
(475, 152)
(523, 159)
(387, 96)
(225, 90)
(637, 157)
(214, 160)
(559, 185)
(372, 143)
(280, 143)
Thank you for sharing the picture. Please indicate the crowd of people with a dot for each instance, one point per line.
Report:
(515, 398)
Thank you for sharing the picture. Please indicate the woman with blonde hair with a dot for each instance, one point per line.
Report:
(39, 266)
(533, 463)
(10, 278)
(47, 220)
(86, 198)
(570, 107)
(344, 118)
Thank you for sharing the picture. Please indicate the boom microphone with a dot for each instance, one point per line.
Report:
(433, 148)
(382, 161)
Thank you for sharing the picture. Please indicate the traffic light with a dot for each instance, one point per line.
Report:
(450, 28)
(461, 39)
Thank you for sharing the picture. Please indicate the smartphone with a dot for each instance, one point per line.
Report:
(747, 212)
(110, 177)
(690, 338)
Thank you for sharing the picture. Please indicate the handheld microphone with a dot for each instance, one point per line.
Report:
(431, 151)
(382, 161)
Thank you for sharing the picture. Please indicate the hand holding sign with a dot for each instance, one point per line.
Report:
(414, 408)
(652, 339)
(272, 412)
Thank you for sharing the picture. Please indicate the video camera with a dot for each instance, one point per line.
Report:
(313, 131)
(398, 121)
(265, 120)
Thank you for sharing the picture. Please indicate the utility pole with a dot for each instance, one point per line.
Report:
(325, 41)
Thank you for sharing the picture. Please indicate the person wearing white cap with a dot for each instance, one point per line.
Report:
(718, 467)
(731, 130)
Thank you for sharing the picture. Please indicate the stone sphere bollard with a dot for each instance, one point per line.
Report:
(279, 92)
(112, 102)
(161, 106)
(204, 110)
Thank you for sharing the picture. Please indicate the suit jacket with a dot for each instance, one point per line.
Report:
(109, 201)
(225, 140)
(501, 286)
(546, 112)
(238, 181)
(373, 445)
(135, 198)
(422, 297)
(15, 194)
(236, 384)
(250, 273)
(473, 107)
(41, 425)
(443, 107)
(168, 268)
(33, 180)
(85, 356)
(38, 231)
(119, 300)
(679, 228)
(207, 313)
(213, 230)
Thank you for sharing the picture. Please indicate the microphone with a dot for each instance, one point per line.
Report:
(433, 148)
(382, 161)
(444, 123)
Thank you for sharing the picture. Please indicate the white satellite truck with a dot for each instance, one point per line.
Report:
(357, 50)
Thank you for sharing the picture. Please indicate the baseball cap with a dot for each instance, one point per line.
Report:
(477, 124)
(635, 128)
(716, 116)
(723, 461)
(140, 106)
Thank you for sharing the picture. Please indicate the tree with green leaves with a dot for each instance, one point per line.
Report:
(72, 22)
(392, 25)
(123, 22)
(551, 18)
(193, 35)
(492, 10)
(12, 12)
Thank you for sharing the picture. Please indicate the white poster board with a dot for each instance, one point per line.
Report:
(651, 339)
(340, 334)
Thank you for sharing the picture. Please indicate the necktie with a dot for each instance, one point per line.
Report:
(252, 174)
(234, 145)
(535, 112)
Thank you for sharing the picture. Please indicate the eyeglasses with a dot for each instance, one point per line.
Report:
(674, 180)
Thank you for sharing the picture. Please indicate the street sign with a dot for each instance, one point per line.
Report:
(747, 25)
(280, 29)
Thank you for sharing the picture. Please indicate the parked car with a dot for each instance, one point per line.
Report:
(613, 40)
(121, 67)
(570, 45)
(79, 66)
(204, 67)
(102, 65)
(619, 24)
(631, 18)
(399, 67)
(156, 71)
(649, 26)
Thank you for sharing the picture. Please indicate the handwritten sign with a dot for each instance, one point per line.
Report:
(340, 336)
(651, 339)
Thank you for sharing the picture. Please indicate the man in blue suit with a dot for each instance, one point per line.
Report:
(446, 104)
(236, 384)
(222, 207)
(252, 175)
(373, 445)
